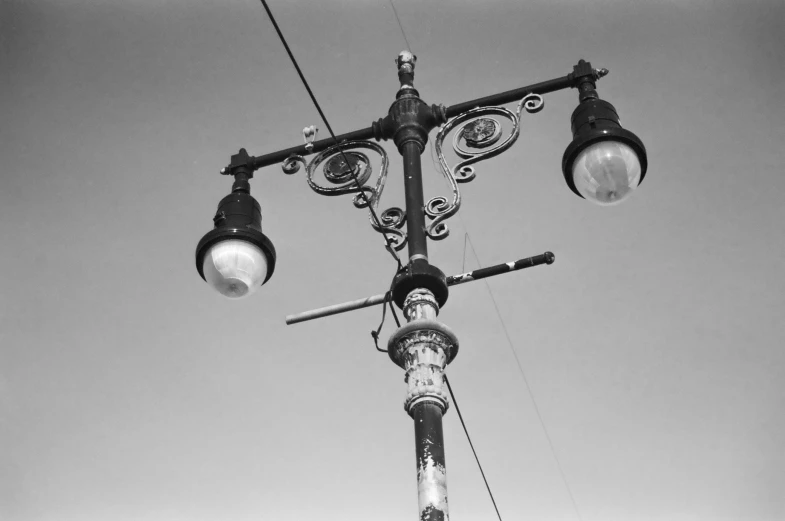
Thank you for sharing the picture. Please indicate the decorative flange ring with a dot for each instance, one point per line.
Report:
(427, 332)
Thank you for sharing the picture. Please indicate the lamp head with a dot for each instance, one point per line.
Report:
(604, 163)
(236, 258)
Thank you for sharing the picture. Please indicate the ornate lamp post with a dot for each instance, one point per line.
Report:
(604, 163)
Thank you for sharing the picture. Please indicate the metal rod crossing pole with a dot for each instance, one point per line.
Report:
(453, 280)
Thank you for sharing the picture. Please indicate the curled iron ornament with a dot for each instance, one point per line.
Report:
(482, 135)
(348, 171)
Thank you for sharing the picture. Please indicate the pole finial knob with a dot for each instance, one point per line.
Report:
(404, 58)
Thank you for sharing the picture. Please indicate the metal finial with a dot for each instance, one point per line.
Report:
(405, 57)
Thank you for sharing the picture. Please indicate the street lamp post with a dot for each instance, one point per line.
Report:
(603, 163)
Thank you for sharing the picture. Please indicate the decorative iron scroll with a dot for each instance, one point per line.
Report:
(350, 179)
(482, 136)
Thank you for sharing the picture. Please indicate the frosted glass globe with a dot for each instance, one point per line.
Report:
(606, 172)
(235, 268)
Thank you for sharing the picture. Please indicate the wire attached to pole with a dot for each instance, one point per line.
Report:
(523, 375)
(387, 302)
(465, 430)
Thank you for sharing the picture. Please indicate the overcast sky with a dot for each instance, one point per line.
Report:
(129, 390)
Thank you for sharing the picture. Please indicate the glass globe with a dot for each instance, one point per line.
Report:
(235, 268)
(606, 172)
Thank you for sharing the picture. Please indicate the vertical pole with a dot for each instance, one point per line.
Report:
(410, 120)
(415, 202)
(423, 348)
(431, 469)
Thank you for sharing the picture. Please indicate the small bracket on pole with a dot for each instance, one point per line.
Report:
(309, 134)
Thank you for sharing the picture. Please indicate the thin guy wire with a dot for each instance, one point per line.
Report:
(390, 247)
(408, 47)
(525, 380)
(460, 417)
(466, 239)
(449, 387)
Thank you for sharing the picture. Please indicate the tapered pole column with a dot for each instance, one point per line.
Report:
(415, 202)
(423, 348)
(408, 123)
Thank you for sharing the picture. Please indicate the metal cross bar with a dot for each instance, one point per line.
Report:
(454, 280)
(564, 82)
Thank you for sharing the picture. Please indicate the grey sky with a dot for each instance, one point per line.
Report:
(653, 346)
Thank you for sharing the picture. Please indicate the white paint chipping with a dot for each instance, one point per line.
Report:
(432, 486)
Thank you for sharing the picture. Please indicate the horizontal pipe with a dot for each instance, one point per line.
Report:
(481, 273)
(565, 82)
(318, 146)
(509, 96)
(335, 309)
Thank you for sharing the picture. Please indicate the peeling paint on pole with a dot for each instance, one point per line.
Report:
(432, 490)
(431, 470)
(423, 348)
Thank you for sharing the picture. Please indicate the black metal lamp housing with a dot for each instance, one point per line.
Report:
(604, 163)
(236, 258)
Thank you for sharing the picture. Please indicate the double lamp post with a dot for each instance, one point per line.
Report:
(604, 163)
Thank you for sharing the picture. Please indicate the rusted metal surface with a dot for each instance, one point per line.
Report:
(423, 348)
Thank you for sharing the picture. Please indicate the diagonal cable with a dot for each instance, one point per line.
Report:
(460, 417)
(405, 39)
(376, 220)
(523, 376)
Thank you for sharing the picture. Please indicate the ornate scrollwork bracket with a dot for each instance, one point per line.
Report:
(482, 136)
(348, 171)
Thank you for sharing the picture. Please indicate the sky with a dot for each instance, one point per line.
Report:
(652, 347)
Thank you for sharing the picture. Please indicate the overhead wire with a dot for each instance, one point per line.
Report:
(405, 39)
(375, 217)
(389, 245)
